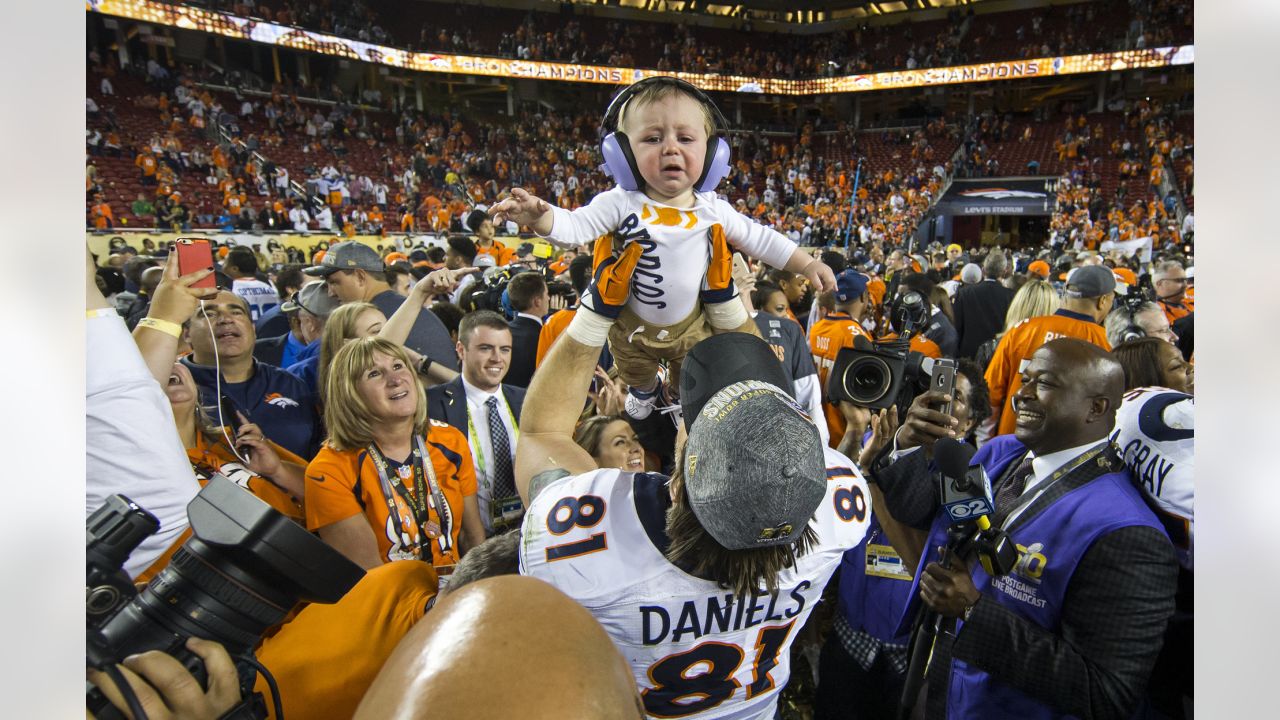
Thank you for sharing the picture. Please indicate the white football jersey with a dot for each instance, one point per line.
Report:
(694, 648)
(1155, 433)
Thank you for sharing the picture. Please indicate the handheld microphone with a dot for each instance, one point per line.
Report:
(966, 496)
(965, 489)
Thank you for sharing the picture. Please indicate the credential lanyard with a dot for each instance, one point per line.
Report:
(424, 473)
(1026, 499)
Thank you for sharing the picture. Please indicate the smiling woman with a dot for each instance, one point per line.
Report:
(389, 484)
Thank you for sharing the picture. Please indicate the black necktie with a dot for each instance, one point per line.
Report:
(504, 483)
(1012, 488)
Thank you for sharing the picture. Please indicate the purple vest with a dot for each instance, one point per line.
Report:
(869, 599)
(1050, 545)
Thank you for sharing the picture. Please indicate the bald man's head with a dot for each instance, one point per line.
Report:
(504, 647)
(1069, 395)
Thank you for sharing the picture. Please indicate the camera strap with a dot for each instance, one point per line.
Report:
(425, 495)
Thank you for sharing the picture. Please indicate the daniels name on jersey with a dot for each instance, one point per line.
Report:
(695, 649)
(1156, 435)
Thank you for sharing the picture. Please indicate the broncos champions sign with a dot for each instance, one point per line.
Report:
(255, 30)
(1000, 196)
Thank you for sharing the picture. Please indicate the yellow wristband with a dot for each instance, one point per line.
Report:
(101, 312)
(164, 326)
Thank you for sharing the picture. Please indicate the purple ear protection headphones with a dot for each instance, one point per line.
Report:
(620, 163)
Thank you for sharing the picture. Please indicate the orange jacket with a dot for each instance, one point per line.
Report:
(551, 330)
(827, 336)
(1004, 374)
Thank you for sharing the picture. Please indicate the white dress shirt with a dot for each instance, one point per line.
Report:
(1043, 467)
(482, 445)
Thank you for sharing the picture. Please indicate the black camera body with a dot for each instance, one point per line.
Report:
(244, 569)
(879, 375)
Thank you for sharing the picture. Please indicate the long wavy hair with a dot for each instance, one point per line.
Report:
(743, 571)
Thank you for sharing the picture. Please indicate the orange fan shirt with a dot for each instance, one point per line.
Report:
(551, 330)
(501, 254)
(826, 338)
(1004, 374)
(342, 484)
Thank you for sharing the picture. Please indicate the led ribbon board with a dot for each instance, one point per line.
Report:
(269, 33)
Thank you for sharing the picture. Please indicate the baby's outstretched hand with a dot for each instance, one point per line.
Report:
(820, 276)
(521, 208)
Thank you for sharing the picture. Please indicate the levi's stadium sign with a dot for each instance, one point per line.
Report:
(255, 30)
(1000, 196)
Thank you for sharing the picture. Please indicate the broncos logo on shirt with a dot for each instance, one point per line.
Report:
(281, 401)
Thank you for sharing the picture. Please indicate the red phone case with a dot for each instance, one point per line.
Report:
(196, 254)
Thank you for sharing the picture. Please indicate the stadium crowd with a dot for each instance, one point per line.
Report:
(673, 428)
(424, 412)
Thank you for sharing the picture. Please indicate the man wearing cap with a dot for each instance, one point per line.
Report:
(354, 272)
(836, 331)
(303, 336)
(479, 222)
(311, 306)
(1088, 298)
(980, 307)
(703, 579)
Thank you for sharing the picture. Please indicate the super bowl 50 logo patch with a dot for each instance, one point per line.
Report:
(281, 401)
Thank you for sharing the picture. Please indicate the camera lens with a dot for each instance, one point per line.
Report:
(867, 379)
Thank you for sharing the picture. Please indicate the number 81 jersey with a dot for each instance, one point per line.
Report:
(696, 650)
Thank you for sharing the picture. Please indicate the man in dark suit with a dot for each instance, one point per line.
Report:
(980, 308)
(530, 299)
(487, 410)
(1075, 627)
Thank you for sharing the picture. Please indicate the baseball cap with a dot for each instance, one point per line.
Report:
(349, 255)
(1090, 281)
(1039, 267)
(1126, 276)
(850, 285)
(754, 465)
(970, 274)
(313, 297)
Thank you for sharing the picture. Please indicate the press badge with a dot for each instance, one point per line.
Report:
(883, 562)
(506, 513)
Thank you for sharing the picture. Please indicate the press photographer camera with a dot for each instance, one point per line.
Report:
(878, 375)
(243, 571)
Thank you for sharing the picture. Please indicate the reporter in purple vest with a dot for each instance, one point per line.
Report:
(1075, 628)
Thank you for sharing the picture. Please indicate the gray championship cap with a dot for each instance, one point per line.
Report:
(1090, 281)
(314, 297)
(349, 255)
(754, 466)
